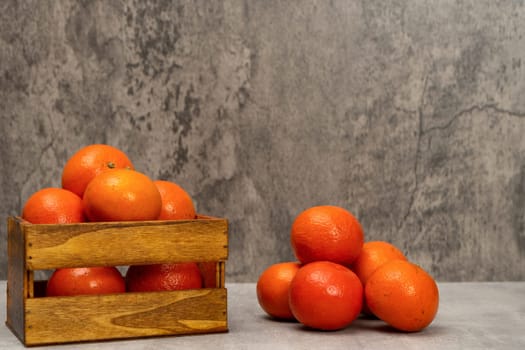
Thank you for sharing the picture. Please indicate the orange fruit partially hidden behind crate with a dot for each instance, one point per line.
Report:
(85, 280)
(157, 277)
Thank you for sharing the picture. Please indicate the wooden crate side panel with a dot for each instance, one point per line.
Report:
(221, 273)
(127, 315)
(16, 279)
(105, 244)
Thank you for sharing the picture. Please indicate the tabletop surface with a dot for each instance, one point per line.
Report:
(471, 316)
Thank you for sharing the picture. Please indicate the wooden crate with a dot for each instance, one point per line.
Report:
(37, 320)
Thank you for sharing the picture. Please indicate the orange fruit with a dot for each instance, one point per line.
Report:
(326, 233)
(159, 277)
(85, 280)
(90, 161)
(122, 195)
(272, 289)
(373, 255)
(176, 202)
(325, 295)
(53, 206)
(403, 295)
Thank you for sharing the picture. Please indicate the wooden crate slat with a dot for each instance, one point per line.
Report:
(56, 319)
(16, 279)
(108, 244)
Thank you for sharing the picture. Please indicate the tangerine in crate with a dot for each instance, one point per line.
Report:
(37, 319)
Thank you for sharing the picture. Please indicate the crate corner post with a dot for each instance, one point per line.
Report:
(17, 278)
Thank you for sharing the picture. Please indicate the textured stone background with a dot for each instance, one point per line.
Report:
(408, 113)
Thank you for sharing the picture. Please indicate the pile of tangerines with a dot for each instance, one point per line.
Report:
(99, 183)
(339, 276)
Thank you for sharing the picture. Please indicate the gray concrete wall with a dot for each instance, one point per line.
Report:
(408, 113)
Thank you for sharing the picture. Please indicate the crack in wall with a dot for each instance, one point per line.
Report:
(476, 108)
(417, 154)
(492, 107)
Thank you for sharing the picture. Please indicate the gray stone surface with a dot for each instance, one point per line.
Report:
(470, 316)
(408, 113)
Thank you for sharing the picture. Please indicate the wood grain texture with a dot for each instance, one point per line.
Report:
(130, 243)
(16, 279)
(221, 274)
(85, 318)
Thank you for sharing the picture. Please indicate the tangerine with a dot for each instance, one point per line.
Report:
(85, 280)
(328, 233)
(90, 161)
(272, 289)
(122, 195)
(160, 277)
(176, 202)
(325, 295)
(403, 295)
(53, 206)
(373, 255)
